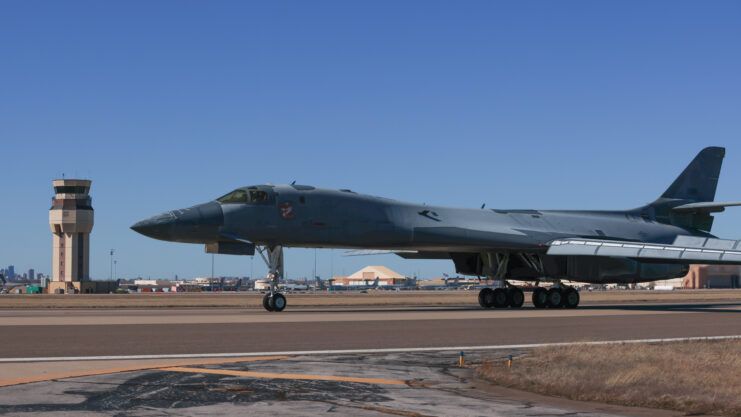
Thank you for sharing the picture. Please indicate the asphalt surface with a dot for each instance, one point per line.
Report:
(414, 385)
(93, 332)
(367, 384)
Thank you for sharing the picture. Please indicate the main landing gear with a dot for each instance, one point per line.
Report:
(556, 297)
(496, 266)
(506, 295)
(501, 297)
(273, 301)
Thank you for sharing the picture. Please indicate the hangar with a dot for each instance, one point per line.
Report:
(367, 276)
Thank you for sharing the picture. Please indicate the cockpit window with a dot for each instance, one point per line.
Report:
(236, 196)
(258, 197)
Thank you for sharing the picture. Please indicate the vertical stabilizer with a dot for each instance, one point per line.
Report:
(698, 181)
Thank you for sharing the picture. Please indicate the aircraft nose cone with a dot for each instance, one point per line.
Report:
(197, 224)
(158, 227)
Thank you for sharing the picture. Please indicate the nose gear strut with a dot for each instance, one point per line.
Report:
(274, 300)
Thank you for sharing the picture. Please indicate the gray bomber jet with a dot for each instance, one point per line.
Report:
(656, 241)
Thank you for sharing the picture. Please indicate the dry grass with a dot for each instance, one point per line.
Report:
(692, 377)
(339, 298)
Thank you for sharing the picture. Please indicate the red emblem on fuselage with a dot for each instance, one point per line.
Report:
(286, 210)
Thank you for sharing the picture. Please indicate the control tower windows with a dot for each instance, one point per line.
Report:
(70, 189)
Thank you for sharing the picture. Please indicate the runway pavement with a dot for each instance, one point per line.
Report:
(92, 332)
(404, 382)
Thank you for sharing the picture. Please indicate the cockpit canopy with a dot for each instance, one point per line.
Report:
(252, 195)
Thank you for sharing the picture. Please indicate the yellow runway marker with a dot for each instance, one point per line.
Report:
(27, 380)
(285, 376)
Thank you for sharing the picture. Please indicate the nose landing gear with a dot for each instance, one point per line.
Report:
(274, 301)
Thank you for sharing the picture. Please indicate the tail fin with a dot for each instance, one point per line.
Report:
(698, 181)
(686, 202)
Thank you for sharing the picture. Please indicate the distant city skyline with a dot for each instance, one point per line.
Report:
(10, 273)
(545, 105)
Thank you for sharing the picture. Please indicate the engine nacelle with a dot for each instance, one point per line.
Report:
(617, 270)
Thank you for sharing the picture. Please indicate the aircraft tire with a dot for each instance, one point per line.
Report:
(486, 297)
(278, 302)
(500, 298)
(570, 297)
(516, 297)
(555, 298)
(540, 297)
(266, 302)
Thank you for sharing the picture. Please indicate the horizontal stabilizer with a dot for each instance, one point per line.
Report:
(705, 207)
(685, 250)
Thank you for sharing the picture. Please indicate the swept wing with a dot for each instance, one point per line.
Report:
(685, 249)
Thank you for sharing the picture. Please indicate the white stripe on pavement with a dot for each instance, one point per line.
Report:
(361, 351)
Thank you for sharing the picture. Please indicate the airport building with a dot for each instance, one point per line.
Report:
(713, 276)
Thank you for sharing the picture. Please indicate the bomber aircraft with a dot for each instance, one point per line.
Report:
(652, 242)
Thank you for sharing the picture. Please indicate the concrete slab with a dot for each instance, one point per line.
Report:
(434, 387)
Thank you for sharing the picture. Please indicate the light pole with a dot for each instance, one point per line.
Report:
(114, 269)
(110, 277)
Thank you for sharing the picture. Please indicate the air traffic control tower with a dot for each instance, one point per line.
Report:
(71, 221)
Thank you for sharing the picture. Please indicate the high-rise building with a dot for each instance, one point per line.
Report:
(31, 274)
(71, 221)
(11, 272)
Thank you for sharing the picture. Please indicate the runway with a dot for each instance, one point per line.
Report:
(401, 364)
(101, 332)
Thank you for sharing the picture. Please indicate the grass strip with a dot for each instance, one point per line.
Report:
(697, 377)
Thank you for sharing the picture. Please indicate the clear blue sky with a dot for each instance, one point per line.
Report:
(520, 104)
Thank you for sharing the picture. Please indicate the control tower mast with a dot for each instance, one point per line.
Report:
(71, 221)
